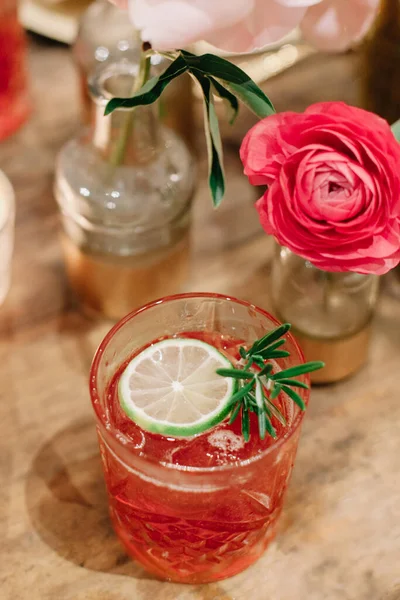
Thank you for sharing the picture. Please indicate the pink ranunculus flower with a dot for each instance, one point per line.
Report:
(333, 177)
(244, 25)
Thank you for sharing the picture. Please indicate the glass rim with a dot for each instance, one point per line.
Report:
(219, 469)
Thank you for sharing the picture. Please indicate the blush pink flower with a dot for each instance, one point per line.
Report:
(333, 177)
(243, 25)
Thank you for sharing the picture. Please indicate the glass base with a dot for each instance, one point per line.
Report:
(208, 570)
(342, 357)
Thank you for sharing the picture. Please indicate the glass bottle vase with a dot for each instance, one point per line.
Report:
(331, 313)
(124, 188)
(106, 35)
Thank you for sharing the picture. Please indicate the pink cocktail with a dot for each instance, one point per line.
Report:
(196, 509)
(14, 99)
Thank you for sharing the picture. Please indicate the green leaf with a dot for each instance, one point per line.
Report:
(276, 345)
(235, 413)
(262, 424)
(235, 373)
(243, 352)
(294, 383)
(276, 391)
(298, 370)
(214, 143)
(265, 371)
(294, 396)
(270, 428)
(396, 130)
(276, 412)
(152, 90)
(237, 80)
(259, 395)
(241, 393)
(245, 424)
(277, 354)
(270, 337)
(229, 98)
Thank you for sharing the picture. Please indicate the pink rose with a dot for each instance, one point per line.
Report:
(333, 177)
(243, 25)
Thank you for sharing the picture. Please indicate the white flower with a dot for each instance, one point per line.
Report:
(244, 25)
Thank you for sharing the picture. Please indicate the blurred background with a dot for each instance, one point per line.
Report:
(55, 57)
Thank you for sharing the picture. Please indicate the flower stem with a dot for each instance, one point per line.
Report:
(119, 151)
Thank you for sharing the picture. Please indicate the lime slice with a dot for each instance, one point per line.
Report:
(172, 387)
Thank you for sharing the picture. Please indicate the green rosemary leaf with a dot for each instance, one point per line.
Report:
(276, 354)
(259, 361)
(298, 370)
(235, 373)
(294, 396)
(270, 428)
(274, 410)
(262, 425)
(276, 391)
(241, 393)
(245, 424)
(243, 352)
(265, 341)
(265, 371)
(259, 394)
(235, 413)
(276, 345)
(294, 383)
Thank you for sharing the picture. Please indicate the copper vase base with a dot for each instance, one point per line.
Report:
(342, 357)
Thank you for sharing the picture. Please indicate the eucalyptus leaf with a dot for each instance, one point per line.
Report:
(228, 97)
(235, 78)
(151, 90)
(214, 143)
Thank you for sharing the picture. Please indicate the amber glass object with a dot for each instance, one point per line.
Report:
(330, 313)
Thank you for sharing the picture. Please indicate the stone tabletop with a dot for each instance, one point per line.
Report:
(340, 531)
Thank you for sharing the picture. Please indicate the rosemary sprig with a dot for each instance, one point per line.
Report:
(259, 386)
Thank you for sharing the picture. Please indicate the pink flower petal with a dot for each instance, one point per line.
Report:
(334, 25)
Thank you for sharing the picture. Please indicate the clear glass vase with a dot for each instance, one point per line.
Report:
(106, 35)
(330, 313)
(124, 189)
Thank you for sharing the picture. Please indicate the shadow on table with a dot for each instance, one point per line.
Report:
(67, 503)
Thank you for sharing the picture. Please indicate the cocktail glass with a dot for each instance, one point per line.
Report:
(184, 522)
